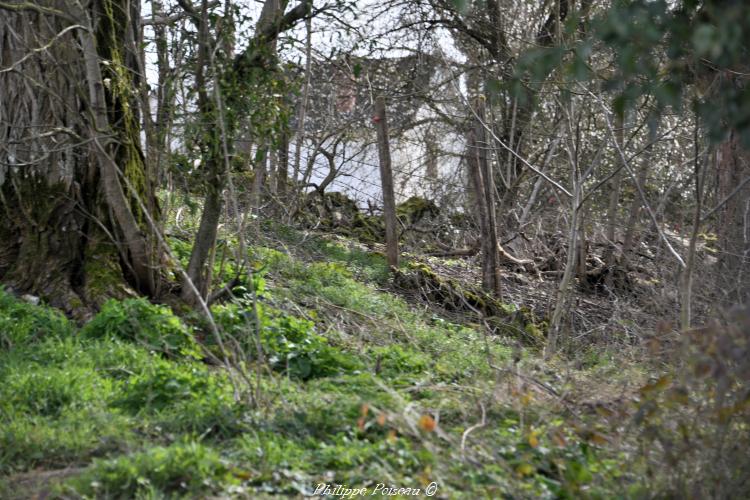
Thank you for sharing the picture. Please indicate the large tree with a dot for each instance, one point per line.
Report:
(75, 192)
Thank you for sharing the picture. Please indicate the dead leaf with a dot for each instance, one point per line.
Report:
(559, 439)
(427, 423)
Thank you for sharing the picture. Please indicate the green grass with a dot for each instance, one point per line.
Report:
(22, 323)
(351, 372)
(154, 327)
(186, 468)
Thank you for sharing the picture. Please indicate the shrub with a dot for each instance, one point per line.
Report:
(297, 350)
(137, 320)
(290, 343)
(693, 420)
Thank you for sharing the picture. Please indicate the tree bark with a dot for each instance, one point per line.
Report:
(159, 144)
(491, 271)
(282, 167)
(481, 179)
(637, 204)
(214, 181)
(71, 167)
(733, 166)
(686, 277)
(300, 133)
(613, 208)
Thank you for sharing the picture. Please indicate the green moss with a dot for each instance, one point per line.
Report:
(111, 33)
(453, 296)
(368, 228)
(104, 279)
(415, 209)
(534, 331)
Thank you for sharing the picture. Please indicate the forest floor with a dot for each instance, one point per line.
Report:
(344, 379)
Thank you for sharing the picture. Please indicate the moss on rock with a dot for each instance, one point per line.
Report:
(508, 319)
(415, 209)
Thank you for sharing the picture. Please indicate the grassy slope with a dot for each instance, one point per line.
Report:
(358, 387)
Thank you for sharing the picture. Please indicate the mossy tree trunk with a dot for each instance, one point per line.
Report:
(73, 186)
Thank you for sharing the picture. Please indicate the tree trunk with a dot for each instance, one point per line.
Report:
(72, 174)
(481, 178)
(159, 143)
(613, 208)
(734, 222)
(637, 204)
(565, 288)
(300, 132)
(582, 251)
(686, 277)
(215, 176)
(491, 270)
(282, 168)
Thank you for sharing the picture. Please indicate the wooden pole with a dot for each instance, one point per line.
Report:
(386, 178)
(491, 267)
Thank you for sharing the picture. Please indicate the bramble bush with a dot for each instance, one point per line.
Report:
(693, 420)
